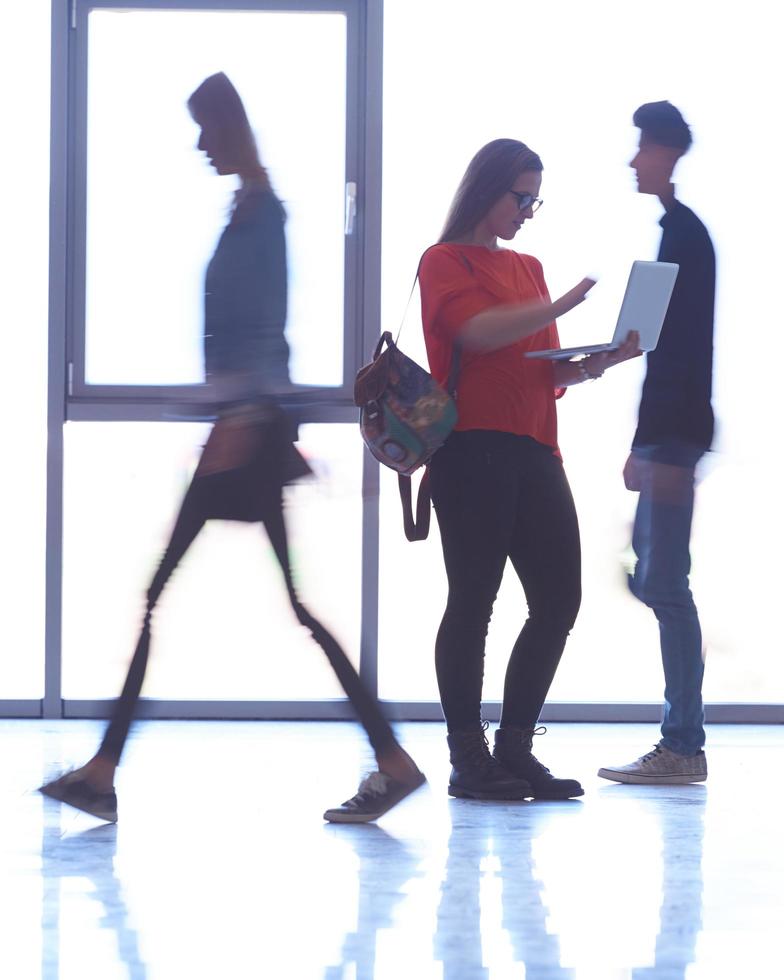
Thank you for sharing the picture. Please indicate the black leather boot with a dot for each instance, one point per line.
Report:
(513, 752)
(476, 775)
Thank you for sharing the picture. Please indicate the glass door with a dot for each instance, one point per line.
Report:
(146, 211)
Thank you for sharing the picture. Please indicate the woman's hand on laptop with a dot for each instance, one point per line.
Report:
(597, 364)
(628, 349)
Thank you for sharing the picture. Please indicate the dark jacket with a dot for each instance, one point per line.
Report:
(246, 293)
(250, 453)
(675, 407)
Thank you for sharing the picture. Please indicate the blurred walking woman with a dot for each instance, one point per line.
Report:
(249, 456)
(498, 483)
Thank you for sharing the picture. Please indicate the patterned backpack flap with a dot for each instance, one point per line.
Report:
(405, 415)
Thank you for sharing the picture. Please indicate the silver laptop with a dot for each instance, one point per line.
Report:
(643, 309)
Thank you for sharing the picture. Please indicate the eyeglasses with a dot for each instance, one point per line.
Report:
(525, 201)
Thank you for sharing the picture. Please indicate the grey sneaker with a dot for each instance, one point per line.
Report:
(377, 793)
(73, 789)
(660, 766)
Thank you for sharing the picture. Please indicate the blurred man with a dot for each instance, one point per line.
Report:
(675, 428)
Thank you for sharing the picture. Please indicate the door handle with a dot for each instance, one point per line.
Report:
(351, 207)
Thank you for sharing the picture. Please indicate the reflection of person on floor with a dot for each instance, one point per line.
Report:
(88, 855)
(680, 826)
(674, 430)
(680, 916)
(249, 456)
(386, 865)
(466, 934)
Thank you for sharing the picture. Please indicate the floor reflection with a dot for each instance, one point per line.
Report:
(680, 813)
(492, 912)
(385, 866)
(245, 881)
(78, 867)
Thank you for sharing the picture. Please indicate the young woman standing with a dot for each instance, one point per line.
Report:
(498, 483)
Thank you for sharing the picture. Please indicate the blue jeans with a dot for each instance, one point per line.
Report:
(664, 476)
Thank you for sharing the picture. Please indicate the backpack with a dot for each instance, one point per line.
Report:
(404, 417)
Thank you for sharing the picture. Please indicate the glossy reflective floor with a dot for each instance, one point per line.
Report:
(221, 866)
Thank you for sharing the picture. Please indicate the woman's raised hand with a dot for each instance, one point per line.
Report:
(573, 297)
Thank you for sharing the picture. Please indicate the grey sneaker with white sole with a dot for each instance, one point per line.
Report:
(377, 793)
(661, 766)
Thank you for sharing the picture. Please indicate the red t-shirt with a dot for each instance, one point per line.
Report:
(500, 389)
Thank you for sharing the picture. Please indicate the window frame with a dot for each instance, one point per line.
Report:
(72, 400)
(137, 402)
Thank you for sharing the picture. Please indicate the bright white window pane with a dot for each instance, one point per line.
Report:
(570, 94)
(411, 598)
(223, 628)
(24, 254)
(155, 207)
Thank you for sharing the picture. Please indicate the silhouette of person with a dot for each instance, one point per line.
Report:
(674, 430)
(498, 483)
(249, 455)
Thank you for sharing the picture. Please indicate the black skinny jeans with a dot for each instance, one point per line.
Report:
(498, 496)
(207, 497)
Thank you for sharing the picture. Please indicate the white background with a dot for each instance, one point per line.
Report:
(565, 78)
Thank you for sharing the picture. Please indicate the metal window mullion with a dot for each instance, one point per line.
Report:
(369, 306)
(51, 706)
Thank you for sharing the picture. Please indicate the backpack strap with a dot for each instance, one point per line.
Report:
(416, 529)
(411, 294)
